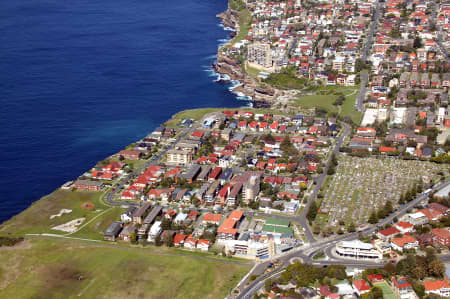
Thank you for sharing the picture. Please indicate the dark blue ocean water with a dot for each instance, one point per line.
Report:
(79, 80)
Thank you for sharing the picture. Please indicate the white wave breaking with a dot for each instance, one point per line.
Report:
(226, 28)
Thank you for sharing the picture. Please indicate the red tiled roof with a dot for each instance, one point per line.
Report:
(198, 134)
(385, 149)
(400, 242)
(212, 217)
(441, 233)
(435, 285)
(236, 215)
(375, 277)
(404, 224)
(179, 238)
(361, 285)
(389, 231)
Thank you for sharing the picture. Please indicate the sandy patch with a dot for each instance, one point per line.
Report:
(62, 212)
(25, 244)
(71, 226)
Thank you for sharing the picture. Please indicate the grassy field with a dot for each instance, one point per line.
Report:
(325, 98)
(387, 291)
(348, 107)
(64, 269)
(319, 101)
(286, 79)
(36, 219)
(252, 72)
(245, 21)
(96, 228)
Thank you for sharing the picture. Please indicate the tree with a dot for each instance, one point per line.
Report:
(351, 227)
(419, 272)
(268, 285)
(373, 218)
(331, 170)
(389, 268)
(158, 241)
(303, 186)
(168, 241)
(133, 237)
(312, 212)
(419, 289)
(388, 208)
(376, 293)
(417, 42)
(165, 224)
(436, 268)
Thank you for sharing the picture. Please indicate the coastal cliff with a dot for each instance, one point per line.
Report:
(261, 96)
(226, 65)
(230, 18)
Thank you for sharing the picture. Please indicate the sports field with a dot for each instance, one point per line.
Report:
(387, 291)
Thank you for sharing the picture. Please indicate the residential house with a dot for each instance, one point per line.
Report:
(405, 242)
(126, 233)
(437, 287)
(190, 243)
(417, 218)
(203, 245)
(130, 155)
(212, 218)
(127, 216)
(178, 240)
(361, 287)
(402, 288)
(441, 236)
(404, 227)
(179, 157)
(388, 233)
(112, 232)
(88, 185)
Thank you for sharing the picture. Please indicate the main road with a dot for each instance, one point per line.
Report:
(359, 102)
(439, 33)
(302, 219)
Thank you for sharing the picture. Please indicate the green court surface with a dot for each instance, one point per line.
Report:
(387, 291)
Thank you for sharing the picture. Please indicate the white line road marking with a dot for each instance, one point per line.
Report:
(87, 287)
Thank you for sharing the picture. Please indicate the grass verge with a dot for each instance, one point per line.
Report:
(62, 269)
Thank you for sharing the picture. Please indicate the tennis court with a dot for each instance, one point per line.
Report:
(387, 291)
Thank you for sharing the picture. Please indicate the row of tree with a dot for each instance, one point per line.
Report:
(382, 212)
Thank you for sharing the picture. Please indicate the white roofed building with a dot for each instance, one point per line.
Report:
(356, 249)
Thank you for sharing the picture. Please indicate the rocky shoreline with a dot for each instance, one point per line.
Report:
(226, 65)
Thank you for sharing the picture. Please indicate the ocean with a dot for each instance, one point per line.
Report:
(79, 80)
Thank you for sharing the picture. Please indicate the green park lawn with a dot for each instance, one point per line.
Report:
(36, 218)
(245, 20)
(95, 229)
(69, 269)
(325, 98)
(252, 72)
(319, 101)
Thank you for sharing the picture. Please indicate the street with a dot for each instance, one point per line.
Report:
(359, 104)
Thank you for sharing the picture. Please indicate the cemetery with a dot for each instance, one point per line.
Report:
(361, 185)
